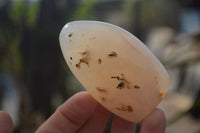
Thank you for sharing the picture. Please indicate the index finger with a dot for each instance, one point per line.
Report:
(6, 124)
(154, 123)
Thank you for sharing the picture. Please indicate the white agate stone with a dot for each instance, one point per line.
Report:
(116, 68)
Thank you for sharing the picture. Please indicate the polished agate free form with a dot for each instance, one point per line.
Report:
(116, 68)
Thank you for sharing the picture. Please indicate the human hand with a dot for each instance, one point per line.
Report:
(82, 114)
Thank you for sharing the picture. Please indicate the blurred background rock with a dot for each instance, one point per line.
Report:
(34, 78)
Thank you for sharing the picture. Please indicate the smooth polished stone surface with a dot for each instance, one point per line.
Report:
(116, 68)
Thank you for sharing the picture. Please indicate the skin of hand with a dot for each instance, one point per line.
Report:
(82, 114)
(6, 124)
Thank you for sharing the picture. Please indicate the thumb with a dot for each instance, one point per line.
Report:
(70, 116)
